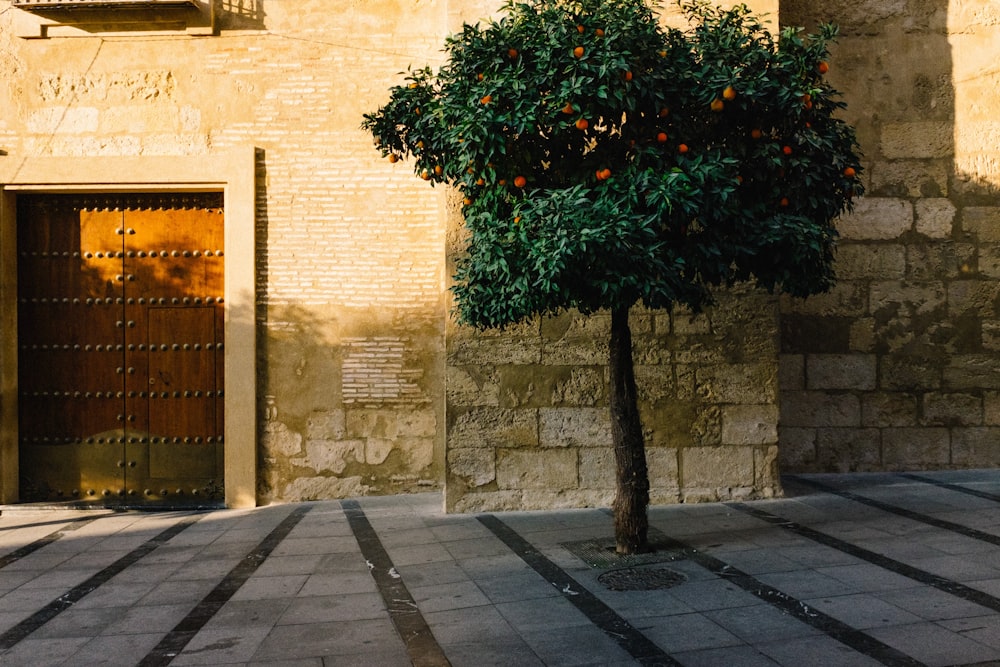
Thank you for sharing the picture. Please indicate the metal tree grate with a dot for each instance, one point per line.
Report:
(600, 553)
(641, 579)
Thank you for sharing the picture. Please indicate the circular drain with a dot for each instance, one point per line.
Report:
(641, 579)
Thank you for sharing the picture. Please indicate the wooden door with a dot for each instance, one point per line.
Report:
(120, 326)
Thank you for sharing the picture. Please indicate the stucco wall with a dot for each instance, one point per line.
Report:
(898, 367)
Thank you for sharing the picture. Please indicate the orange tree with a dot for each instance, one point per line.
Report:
(607, 161)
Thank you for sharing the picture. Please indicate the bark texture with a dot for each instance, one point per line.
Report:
(632, 493)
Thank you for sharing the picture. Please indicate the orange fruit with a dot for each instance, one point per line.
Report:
(420, 144)
(520, 181)
(787, 150)
(627, 76)
(823, 67)
(486, 99)
(850, 172)
(729, 93)
(717, 105)
(438, 169)
(739, 179)
(599, 32)
(578, 52)
(417, 111)
(597, 175)
(582, 124)
(756, 133)
(568, 109)
(393, 158)
(662, 137)
(413, 85)
(663, 112)
(662, 54)
(682, 148)
(784, 201)
(502, 181)
(512, 52)
(479, 77)
(517, 220)
(580, 29)
(467, 202)
(425, 175)
(470, 171)
(480, 182)
(605, 174)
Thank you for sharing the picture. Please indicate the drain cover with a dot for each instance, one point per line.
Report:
(641, 579)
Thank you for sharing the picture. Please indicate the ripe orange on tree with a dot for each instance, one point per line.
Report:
(393, 158)
(512, 52)
(599, 32)
(717, 105)
(580, 29)
(520, 181)
(663, 112)
(661, 137)
(784, 201)
(787, 150)
(578, 52)
(823, 67)
(568, 109)
(627, 75)
(682, 148)
(729, 93)
(486, 99)
(438, 169)
(756, 133)
(582, 124)
(850, 172)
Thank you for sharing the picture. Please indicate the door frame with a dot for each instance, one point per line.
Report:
(231, 172)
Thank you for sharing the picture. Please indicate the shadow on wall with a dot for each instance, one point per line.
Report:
(241, 14)
(897, 367)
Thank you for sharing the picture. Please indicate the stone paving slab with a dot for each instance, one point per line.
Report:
(845, 570)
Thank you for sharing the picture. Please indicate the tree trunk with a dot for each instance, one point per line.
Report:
(632, 493)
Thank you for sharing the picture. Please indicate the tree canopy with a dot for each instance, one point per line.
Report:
(606, 160)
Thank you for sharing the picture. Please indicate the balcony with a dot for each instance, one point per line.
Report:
(42, 5)
(42, 19)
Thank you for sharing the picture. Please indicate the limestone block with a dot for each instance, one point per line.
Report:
(915, 448)
(876, 218)
(528, 385)
(975, 447)
(847, 298)
(935, 217)
(848, 449)
(983, 221)
(542, 499)
(791, 372)
(654, 384)
(322, 488)
(973, 297)
(706, 427)
(418, 452)
(903, 372)
(489, 501)
(991, 408)
(570, 350)
(920, 140)
(911, 178)
(477, 467)
(574, 427)
(738, 383)
(326, 425)
(377, 450)
(493, 350)
(930, 261)
(597, 467)
(472, 385)
(749, 424)
(952, 409)
(583, 386)
(549, 469)
(716, 467)
(818, 409)
(63, 120)
(664, 471)
(902, 297)
(861, 336)
(768, 478)
(857, 261)
(988, 260)
(331, 455)
(796, 448)
(494, 427)
(972, 372)
(277, 438)
(882, 409)
(841, 371)
(685, 323)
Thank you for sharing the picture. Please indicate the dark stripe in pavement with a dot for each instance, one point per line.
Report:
(892, 565)
(421, 645)
(951, 487)
(18, 554)
(842, 632)
(902, 511)
(175, 640)
(604, 617)
(14, 635)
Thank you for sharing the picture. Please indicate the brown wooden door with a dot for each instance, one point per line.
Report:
(120, 332)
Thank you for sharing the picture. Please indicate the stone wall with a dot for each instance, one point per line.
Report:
(898, 367)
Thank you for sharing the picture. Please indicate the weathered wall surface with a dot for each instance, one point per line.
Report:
(350, 278)
(898, 367)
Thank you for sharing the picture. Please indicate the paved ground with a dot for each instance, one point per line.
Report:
(847, 570)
